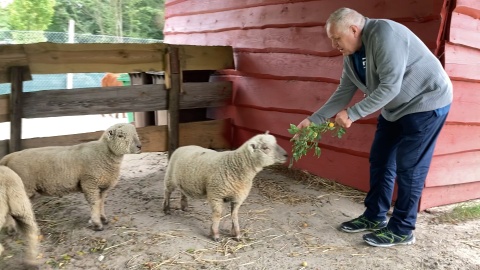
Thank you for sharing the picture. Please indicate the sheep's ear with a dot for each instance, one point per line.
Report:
(267, 132)
(111, 133)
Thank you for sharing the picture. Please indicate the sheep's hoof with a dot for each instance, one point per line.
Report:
(166, 211)
(216, 238)
(238, 238)
(104, 220)
(98, 228)
(31, 264)
(11, 230)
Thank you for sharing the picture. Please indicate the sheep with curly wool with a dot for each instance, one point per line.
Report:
(220, 176)
(15, 204)
(92, 168)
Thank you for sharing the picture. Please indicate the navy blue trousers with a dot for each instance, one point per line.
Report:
(402, 150)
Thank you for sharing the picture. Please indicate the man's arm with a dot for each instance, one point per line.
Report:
(339, 99)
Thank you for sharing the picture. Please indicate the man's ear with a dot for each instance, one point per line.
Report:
(355, 30)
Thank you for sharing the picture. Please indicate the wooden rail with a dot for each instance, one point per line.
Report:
(51, 58)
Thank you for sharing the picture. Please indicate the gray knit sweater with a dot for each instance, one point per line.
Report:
(402, 76)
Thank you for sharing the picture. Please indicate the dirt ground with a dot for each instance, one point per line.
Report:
(289, 221)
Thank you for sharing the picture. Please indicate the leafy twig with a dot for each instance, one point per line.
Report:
(309, 137)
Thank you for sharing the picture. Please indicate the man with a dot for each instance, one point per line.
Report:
(401, 77)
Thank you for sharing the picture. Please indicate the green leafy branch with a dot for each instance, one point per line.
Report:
(309, 137)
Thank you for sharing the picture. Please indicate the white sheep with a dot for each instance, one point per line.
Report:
(14, 204)
(220, 176)
(92, 168)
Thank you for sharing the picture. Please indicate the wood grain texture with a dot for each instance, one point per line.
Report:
(294, 39)
(468, 7)
(4, 108)
(213, 134)
(295, 96)
(464, 30)
(454, 169)
(290, 66)
(205, 57)
(17, 75)
(461, 63)
(437, 196)
(51, 58)
(309, 10)
(466, 101)
(136, 98)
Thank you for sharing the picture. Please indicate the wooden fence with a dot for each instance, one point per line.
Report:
(18, 62)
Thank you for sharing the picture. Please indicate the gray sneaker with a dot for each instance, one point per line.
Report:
(361, 224)
(386, 238)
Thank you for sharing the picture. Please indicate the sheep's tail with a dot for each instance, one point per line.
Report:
(21, 211)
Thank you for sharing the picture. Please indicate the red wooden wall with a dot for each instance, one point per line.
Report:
(455, 175)
(286, 69)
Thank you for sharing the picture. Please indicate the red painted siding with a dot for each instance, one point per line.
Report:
(286, 68)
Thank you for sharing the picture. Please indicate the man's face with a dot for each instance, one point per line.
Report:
(347, 42)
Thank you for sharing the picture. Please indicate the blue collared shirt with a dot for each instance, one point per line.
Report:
(360, 63)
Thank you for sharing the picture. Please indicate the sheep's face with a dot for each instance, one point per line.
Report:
(123, 139)
(266, 151)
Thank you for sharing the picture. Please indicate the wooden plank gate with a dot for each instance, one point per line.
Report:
(18, 62)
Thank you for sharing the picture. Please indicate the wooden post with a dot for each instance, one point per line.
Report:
(17, 76)
(173, 78)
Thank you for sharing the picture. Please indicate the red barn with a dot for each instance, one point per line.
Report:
(286, 69)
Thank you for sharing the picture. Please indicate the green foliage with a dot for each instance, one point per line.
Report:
(33, 15)
(461, 213)
(308, 138)
(4, 19)
(132, 18)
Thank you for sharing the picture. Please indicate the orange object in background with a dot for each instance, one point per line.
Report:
(111, 79)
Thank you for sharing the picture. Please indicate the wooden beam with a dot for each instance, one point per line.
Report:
(173, 73)
(206, 57)
(17, 75)
(4, 108)
(46, 58)
(11, 56)
(100, 100)
(103, 100)
(51, 58)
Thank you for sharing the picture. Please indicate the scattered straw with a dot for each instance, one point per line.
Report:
(328, 186)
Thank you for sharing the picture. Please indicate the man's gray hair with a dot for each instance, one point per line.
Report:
(343, 18)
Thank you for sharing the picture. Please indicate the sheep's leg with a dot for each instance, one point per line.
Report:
(94, 200)
(166, 203)
(217, 208)
(184, 202)
(166, 199)
(29, 228)
(103, 217)
(10, 225)
(235, 225)
(3, 215)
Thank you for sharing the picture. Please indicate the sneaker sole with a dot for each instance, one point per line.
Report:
(411, 242)
(360, 230)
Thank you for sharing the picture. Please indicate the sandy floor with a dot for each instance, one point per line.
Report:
(286, 221)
